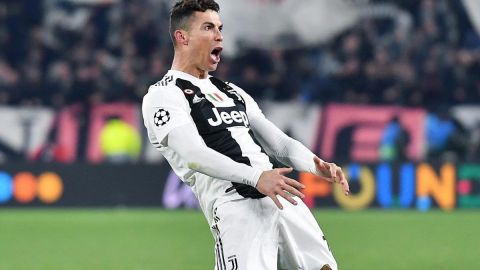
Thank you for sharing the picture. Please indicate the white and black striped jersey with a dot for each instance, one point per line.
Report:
(220, 112)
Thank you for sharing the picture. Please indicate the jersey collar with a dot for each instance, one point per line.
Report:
(186, 76)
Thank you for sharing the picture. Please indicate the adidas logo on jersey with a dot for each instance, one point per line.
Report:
(228, 118)
(197, 99)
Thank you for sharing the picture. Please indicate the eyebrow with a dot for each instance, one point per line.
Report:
(212, 24)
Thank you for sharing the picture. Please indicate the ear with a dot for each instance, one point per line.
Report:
(181, 37)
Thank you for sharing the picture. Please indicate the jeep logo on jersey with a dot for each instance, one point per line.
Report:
(229, 118)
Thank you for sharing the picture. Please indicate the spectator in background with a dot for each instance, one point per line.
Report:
(59, 53)
(371, 63)
(9, 84)
(59, 84)
(445, 137)
(473, 150)
(119, 141)
(394, 142)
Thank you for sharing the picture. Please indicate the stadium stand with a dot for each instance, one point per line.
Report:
(71, 56)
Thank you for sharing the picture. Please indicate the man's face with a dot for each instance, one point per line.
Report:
(205, 40)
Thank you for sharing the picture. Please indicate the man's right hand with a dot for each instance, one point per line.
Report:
(274, 182)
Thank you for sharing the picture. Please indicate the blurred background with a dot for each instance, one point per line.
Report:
(388, 89)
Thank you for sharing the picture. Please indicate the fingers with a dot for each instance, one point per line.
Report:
(275, 183)
(346, 188)
(286, 190)
(293, 183)
(288, 197)
(290, 188)
(276, 201)
(294, 191)
(336, 174)
(321, 165)
(333, 172)
(344, 182)
(326, 170)
(285, 195)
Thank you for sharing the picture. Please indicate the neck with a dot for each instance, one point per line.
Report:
(182, 64)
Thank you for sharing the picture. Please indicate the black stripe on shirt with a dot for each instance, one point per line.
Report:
(218, 138)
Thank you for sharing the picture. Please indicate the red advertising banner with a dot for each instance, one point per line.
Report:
(357, 131)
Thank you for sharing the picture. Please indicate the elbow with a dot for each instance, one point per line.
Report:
(193, 159)
(288, 144)
(192, 165)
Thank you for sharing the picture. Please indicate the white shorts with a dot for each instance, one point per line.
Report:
(253, 234)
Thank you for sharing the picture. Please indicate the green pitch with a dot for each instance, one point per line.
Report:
(168, 240)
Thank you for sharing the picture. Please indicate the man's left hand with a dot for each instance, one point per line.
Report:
(332, 173)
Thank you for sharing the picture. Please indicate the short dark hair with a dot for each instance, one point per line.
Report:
(183, 10)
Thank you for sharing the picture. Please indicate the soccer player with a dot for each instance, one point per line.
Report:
(218, 142)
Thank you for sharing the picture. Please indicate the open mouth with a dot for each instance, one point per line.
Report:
(215, 54)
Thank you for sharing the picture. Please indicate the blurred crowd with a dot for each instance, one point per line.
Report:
(56, 53)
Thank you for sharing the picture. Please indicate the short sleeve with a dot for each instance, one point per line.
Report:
(163, 109)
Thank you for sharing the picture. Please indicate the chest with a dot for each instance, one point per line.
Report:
(215, 106)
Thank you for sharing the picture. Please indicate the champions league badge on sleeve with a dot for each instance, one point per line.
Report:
(161, 117)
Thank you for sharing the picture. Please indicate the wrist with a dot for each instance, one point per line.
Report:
(315, 167)
(253, 178)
